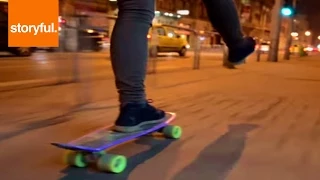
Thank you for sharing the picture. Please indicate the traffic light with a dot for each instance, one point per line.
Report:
(288, 9)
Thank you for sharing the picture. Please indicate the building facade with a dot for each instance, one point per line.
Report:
(255, 17)
(301, 26)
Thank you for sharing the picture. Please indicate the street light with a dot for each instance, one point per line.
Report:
(294, 34)
(183, 12)
(307, 33)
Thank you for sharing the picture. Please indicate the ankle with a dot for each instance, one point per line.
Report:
(137, 103)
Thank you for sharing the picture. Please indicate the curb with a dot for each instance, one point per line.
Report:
(33, 83)
(24, 84)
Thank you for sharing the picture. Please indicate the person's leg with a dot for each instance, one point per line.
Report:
(224, 18)
(129, 55)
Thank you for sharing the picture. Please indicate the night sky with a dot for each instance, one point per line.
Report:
(311, 9)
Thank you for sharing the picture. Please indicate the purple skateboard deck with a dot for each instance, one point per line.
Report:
(106, 138)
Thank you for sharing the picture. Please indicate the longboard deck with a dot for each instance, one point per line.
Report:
(106, 138)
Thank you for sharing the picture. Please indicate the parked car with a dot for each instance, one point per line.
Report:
(89, 39)
(264, 47)
(311, 49)
(166, 40)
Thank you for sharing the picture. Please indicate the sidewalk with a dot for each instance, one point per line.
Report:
(58, 72)
(62, 98)
(258, 122)
(91, 65)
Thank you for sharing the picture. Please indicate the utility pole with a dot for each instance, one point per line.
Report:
(275, 31)
(263, 23)
(196, 39)
(289, 37)
(153, 51)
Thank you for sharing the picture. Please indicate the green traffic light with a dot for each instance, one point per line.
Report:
(286, 11)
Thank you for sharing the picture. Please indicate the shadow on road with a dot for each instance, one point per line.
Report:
(34, 125)
(217, 159)
(155, 147)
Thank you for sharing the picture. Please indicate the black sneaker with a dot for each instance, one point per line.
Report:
(240, 51)
(134, 117)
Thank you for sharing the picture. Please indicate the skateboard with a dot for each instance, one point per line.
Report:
(91, 147)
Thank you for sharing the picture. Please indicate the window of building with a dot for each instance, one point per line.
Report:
(179, 4)
(202, 11)
(187, 5)
(171, 5)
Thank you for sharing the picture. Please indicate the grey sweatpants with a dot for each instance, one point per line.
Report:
(129, 45)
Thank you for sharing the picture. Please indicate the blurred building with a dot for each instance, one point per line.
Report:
(83, 14)
(255, 16)
(93, 12)
(301, 25)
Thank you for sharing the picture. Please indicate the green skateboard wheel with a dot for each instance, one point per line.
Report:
(75, 159)
(112, 163)
(173, 132)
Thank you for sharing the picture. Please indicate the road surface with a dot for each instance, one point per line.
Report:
(43, 65)
(258, 122)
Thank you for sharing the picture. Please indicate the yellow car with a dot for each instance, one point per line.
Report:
(164, 39)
